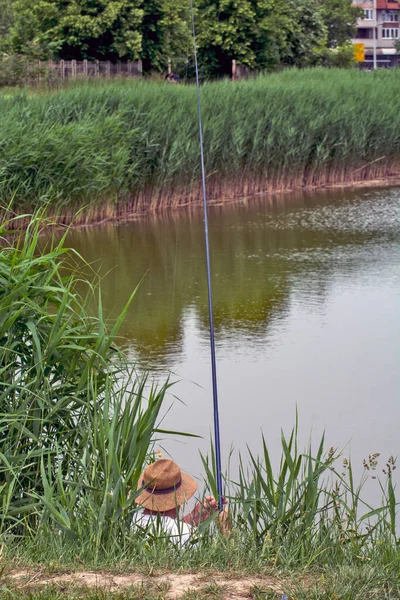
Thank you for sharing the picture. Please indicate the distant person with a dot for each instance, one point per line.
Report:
(165, 488)
(172, 77)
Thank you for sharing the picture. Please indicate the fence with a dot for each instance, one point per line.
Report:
(21, 70)
(72, 69)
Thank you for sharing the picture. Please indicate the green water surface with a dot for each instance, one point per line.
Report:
(307, 312)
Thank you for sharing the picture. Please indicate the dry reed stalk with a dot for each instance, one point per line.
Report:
(219, 192)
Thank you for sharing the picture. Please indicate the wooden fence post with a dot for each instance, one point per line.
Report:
(140, 67)
(97, 69)
(85, 67)
(26, 72)
(73, 66)
(108, 68)
(62, 68)
(234, 70)
(118, 68)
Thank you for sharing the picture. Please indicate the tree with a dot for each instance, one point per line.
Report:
(6, 17)
(166, 33)
(31, 22)
(154, 30)
(259, 34)
(78, 28)
(225, 31)
(342, 56)
(307, 36)
(102, 29)
(340, 18)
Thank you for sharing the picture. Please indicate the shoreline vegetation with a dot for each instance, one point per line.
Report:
(77, 426)
(103, 150)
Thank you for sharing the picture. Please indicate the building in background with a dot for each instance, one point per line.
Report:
(379, 26)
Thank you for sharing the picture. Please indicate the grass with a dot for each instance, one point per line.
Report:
(142, 593)
(127, 146)
(54, 593)
(303, 516)
(77, 425)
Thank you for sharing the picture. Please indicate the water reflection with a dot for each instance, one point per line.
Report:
(263, 253)
(306, 298)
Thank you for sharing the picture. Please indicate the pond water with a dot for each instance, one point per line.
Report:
(307, 312)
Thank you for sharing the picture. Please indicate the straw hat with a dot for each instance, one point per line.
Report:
(165, 486)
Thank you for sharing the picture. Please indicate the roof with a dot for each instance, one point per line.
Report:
(387, 4)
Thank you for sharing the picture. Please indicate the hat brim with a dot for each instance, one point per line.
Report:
(164, 502)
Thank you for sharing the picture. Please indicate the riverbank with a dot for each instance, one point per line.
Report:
(359, 583)
(94, 215)
(113, 149)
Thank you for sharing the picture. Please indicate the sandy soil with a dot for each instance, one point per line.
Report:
(175, 585)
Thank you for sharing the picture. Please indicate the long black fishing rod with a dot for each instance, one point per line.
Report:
(210, 301)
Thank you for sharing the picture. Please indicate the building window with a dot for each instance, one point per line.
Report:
(364, 34)
(391, 18)
(369, 14)
(390, 34)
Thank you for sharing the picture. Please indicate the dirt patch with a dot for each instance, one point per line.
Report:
(176, 585)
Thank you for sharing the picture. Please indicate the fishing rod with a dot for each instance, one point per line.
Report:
(209, 287)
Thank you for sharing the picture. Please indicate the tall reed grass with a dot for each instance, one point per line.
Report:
(133, 146)
(76, 425)
(312, 509)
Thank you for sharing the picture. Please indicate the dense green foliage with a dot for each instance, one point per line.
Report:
(74, 428)
(76, 30)
(6, 18)
(115, 144)
(339, 19)
(272, 33)
(103, 30)
(260, 35)
(165, 34)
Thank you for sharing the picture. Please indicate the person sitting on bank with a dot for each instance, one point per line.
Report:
(172, 77)
(164, 488)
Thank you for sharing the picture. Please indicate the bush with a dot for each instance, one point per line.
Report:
(16, 70)
(341, 57)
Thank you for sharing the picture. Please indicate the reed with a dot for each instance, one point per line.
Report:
(132, 146)
(312, 510)
(76, 425)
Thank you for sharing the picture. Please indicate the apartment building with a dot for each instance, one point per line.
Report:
(380, 26)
